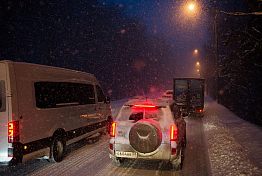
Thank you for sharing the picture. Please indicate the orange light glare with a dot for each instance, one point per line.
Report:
(10, 129)
(13, 131)
(113, 129)
(191, 6)
(173, 133)
(145, 106)
(198, 63)
(195, 51)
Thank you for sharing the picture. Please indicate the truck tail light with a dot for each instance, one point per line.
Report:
(173, 132)
(13, 131)
(113, 129)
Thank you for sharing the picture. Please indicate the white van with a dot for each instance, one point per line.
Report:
(44, 108)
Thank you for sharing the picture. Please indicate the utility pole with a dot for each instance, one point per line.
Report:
(216, 53)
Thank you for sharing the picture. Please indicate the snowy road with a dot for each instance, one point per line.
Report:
(91, 158)
(214, 133)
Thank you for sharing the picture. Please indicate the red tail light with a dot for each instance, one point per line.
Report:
(173, 151)
(111, 147)
(200, 110)
(144, 106)
(113, 129)
(173, 133)
(13, 131)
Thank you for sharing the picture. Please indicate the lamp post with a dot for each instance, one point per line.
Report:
(216, 53)
(217, 11)
(192, 7)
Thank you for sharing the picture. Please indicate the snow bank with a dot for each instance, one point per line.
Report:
(235, 145)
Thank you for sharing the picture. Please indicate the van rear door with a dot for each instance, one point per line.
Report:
(3, 114)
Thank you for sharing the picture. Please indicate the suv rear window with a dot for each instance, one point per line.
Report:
(130, 113)
(2, 96)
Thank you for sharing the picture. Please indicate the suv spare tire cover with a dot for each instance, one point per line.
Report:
(144, 137)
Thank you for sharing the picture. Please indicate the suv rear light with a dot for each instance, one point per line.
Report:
(173, 151)
(173, 132)
(144, 106)
(13, 131)
(113, 129)
(111, 146)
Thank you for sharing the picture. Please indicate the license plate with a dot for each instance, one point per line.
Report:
(126, 154)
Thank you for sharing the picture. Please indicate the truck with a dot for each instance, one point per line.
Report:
(188, 93)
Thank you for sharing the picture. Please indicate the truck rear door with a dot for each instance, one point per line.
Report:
(180, 91)
(196, 92)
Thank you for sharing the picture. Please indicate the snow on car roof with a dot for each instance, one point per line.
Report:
(145, 101)
(169, 91)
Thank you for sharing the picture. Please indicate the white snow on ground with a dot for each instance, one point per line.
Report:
(235, 145)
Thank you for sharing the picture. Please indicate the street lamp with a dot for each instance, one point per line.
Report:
(195, 51)
(217, 11)
(191, 6)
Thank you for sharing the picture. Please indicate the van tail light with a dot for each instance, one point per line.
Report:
(13, 131)
(200, 110)
(173, 132)
(113, 129)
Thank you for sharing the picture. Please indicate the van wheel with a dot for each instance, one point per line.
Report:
(58, 149)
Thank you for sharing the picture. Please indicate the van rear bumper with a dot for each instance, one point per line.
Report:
(4, 163)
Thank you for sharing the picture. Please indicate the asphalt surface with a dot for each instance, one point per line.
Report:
(90, 157)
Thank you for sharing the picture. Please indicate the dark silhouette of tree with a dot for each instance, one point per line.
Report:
(240, 61)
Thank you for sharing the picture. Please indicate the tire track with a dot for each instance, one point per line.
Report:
(73, 160)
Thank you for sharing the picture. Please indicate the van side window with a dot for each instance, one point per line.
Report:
(86, 94)
(45, 94)
(2, 96)
(66, 93)
(61, 94)
(100, 94)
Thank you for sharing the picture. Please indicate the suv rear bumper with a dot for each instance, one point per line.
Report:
(162, 153)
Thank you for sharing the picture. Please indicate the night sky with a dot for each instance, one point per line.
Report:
(184, 31)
